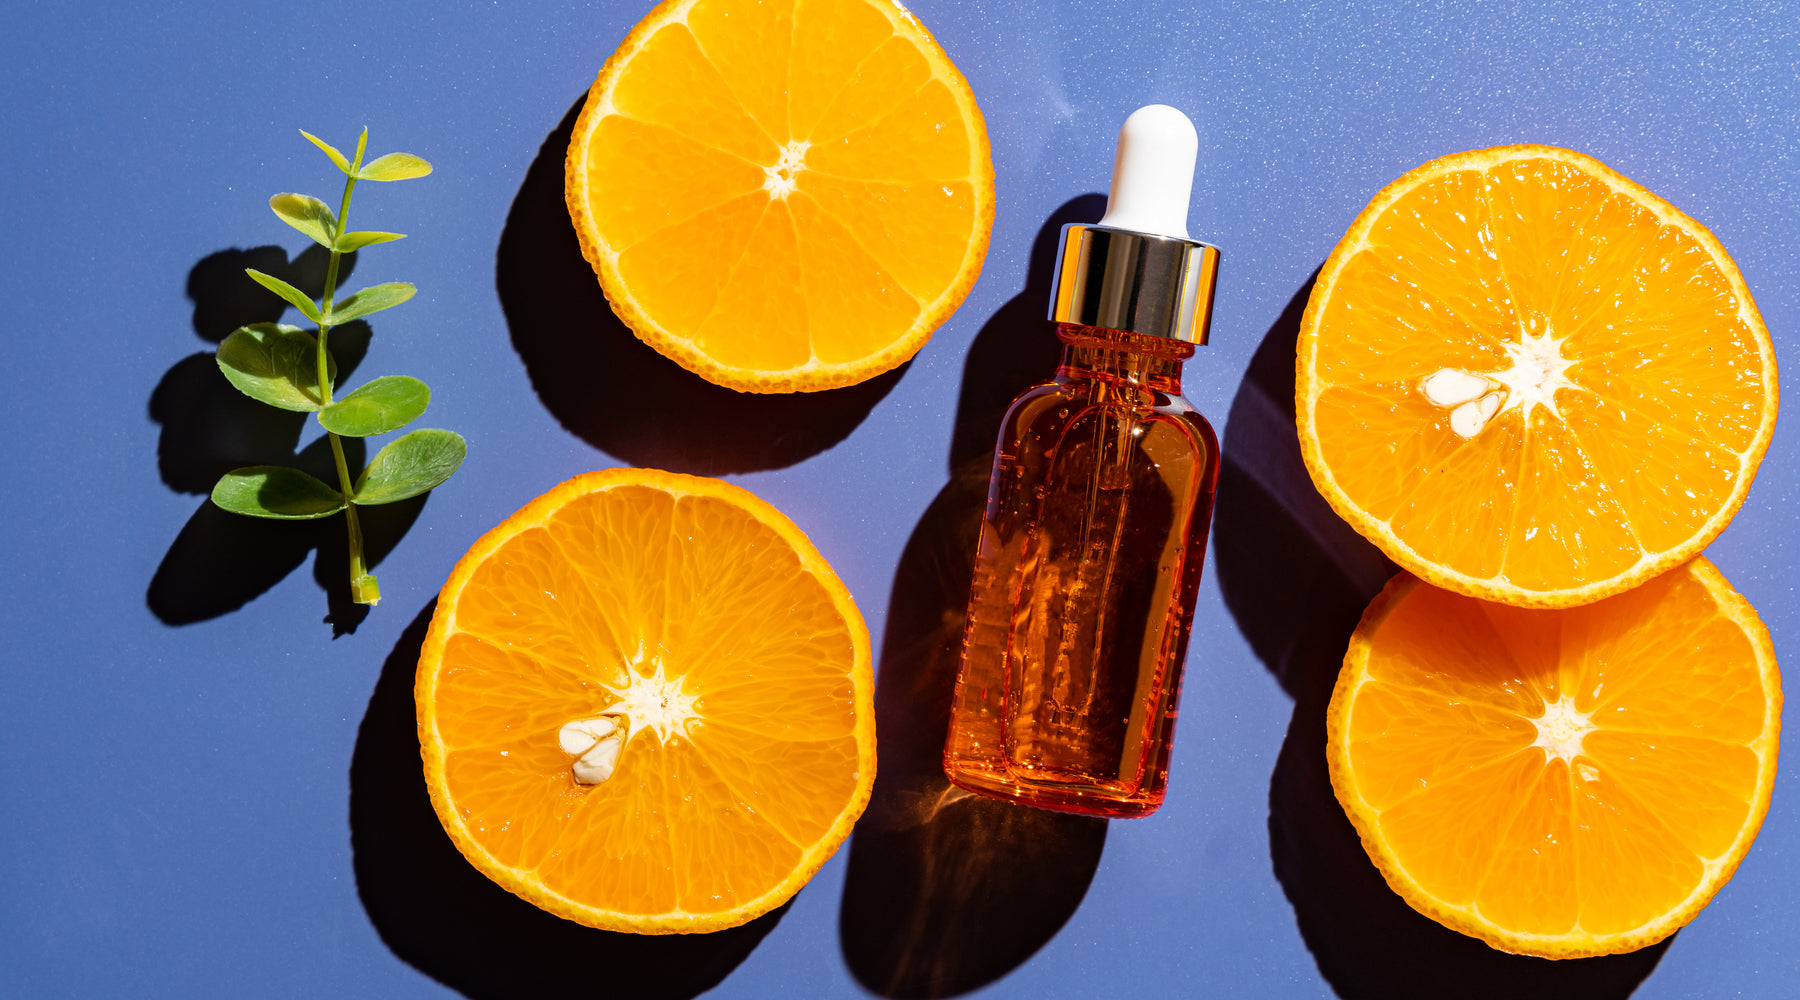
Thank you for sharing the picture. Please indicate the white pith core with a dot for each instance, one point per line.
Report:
(655, 703)
(778, 180)
(1561, 730)
(1474, 399)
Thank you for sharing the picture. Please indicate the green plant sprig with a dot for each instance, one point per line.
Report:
(292, 369)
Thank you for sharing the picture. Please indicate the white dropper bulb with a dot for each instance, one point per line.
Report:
(1153, 173)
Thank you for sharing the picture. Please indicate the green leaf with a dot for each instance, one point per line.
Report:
(330, 150)
(371, 300)
(394, 167)
(352, 242)
(274, 363)
(307, 214)
(410, 465)
(294, 296)
(376, 407)
(276, 491)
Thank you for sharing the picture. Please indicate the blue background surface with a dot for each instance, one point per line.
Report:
(206, 793)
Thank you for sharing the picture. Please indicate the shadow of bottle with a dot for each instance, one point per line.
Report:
(612, 390)
(220, 561)
(947, 891)
(439, 914)
(1296, 578)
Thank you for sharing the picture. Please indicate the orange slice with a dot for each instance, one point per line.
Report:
(782, 195)
(645, 704)
(1558, 782)
(1528, 379)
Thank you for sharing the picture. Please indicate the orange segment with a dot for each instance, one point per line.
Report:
(504, 689)
(833, 42)
(750, 45)
(747, 325)
(888, 77)
(727, 665)
(1558, 782)
(908, 143)
(696, 178)
(782, 195)
(1530, 380)
(907, 219)
(672, 83)
(858, 311)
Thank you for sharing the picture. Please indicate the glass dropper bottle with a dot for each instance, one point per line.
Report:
(1095, 528)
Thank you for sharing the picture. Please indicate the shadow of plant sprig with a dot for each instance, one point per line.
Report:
(219, 562)
(292, 369)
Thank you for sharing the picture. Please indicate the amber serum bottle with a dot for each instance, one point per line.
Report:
(1097, 512)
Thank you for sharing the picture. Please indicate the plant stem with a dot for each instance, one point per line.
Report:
(363, 587)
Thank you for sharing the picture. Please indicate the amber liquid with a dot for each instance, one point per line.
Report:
(1085, 578)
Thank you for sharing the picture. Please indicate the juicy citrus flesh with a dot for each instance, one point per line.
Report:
(1528, 379)
(782, 195)
(703, 621)
(1559, 783)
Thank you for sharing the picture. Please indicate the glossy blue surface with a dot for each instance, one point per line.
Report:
(207, 794)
